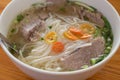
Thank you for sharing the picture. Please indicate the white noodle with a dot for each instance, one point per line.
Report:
(41, 60)
(40, 55)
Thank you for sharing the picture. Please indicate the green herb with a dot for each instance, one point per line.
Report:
(97, 32)
(14, 46)
(20, 17)
(26, 20)
(93, 61)
(107, 44)
(100, 58)
(105, 55)
(108, 35)
(14, 49)
(107, 24)
(50, 27)
(106, 51)
(62, 9)
(15, 21)
(106, 31)
(13, 30)
(68, 1)
(84, 66)
(93, 8)
(34, 4)
(71, 70)
(108, 48)
(86, 18)
(41, 39)
(38, 4)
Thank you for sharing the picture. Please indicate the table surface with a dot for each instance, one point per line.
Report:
(8, 71)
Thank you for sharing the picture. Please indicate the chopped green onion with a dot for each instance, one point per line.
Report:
(42, 39)
(93, 8)
(62, 9)
(14, 46)
(35, 4)
(15, 21)
(50, 27)
(108, 35)
(111, 35)
(68, 1)
(109, 48)
(93, 61)
(97, 32)
(107, 24)
(38, 4)
(106, 51)
(20, 17)
(105, 55)
(84, 66)
(70, 70)
(26, 20)
(100, 58)
(109, 40)
(13, 30)
(86, 18)
(107, 44)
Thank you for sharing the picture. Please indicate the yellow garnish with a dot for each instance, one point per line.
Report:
(70, 36)
(87, 28)
(51, 37)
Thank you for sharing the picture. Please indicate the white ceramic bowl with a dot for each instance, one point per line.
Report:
(16, 6)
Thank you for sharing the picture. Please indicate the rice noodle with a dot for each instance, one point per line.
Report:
(40, 55)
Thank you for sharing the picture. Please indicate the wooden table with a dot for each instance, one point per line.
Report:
(8, 71)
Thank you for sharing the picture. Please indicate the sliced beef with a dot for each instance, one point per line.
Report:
(60, 7)
(80, 12)
(30, 29)
(95, 17)
(56, 5)
(44, 15)
(53, 8)
(82, 56)
(65, 10)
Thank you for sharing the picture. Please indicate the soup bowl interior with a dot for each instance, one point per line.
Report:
(16, 6)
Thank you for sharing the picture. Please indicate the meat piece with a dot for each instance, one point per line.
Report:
(80, 12)
(71, 10)
(94, 17)
(44, 15)
(30, 30)
(82, 56)
(56, 5)
(63, 10)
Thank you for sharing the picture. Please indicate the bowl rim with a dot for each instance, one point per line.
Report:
(67, 72)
